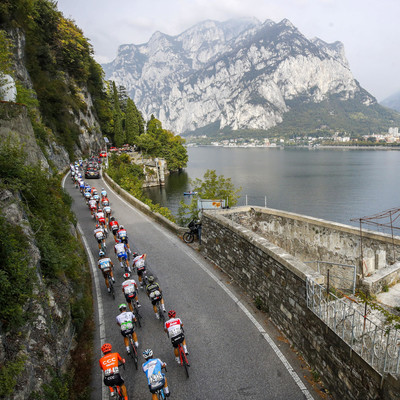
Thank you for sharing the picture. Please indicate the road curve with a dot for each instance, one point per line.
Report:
(230, 355)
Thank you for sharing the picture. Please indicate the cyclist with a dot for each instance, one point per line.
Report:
(105, 265)
(123, 236)
(105, 201)
(154, 293)
(139, 263)
(129, 289)
(103, 193)
(96, 197)
(120, 250)
(93, 206)
(174, 330)
(107, 212)
(101, 219)
(109, 364)
(100, 236)
(152, 368)
(125, 321)
(81, 185)
(114, 226)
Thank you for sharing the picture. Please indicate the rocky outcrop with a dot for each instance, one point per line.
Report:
(45, 340)
(239, 74)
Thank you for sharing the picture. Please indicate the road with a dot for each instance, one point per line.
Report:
(228, 340)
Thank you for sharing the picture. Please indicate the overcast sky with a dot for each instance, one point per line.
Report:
(369, 29)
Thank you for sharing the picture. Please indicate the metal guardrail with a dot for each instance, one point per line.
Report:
(337, 280)
(369, 336)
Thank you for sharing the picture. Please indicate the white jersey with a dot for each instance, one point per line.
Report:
(99, 215)
(105, 264)
(129, 286)
(125, 320)
(107, 209)
(139, 262)
(92, 203)
(173, 327)
(99, 233)
(120, 248)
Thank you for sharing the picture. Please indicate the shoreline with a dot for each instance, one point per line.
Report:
(329, 147)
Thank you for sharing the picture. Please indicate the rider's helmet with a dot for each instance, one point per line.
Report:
(112, 219)
(106, 348)
(150, 279)
(122, 307)
(148, 353)
(101, 253)
(127, 275)
(121, 227)
(134, 254)
(97, 226)
(171, 314)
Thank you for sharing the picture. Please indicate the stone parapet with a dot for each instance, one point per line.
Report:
(276, 281)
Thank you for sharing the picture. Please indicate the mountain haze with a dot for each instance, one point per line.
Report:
(241, 75)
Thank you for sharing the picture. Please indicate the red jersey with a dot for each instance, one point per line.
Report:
(113, 225)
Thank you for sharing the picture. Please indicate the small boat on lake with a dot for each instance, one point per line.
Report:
(189, 193)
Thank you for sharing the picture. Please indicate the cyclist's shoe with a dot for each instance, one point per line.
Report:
(167, 394)
(177, 360)
(164, 310)
(157, 316)
(112, 394)
(128, 351)
(138, 305)
(112, 278)
(108, 290)
(137, 344)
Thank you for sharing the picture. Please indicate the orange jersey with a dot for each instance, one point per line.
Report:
(109, 361)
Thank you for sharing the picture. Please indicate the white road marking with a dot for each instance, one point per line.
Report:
(268, 338)
(93, 265)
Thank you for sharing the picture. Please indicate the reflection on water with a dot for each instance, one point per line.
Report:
(335, 185)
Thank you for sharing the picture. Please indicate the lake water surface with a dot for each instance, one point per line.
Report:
(333, 184)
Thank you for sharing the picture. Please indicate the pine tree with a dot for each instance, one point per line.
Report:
(131, 123)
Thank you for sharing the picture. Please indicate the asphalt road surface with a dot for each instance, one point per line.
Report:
(229, 342)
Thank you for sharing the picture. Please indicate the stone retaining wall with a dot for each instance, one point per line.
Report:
(310, 239)
(276, 281)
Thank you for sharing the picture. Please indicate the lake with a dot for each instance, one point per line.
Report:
(333, 184)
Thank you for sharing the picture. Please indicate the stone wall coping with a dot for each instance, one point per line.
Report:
(179, 230)
(382, 273)
(366, 233)
(296, 266)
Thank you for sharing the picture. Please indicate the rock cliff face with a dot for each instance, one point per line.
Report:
(237, 74)
(17, 124)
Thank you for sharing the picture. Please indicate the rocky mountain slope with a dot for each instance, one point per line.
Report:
(392, 102)
(236, 75)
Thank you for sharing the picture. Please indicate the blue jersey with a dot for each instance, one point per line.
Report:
(152, 367)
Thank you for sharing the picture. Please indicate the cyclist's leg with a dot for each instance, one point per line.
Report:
(176, 352)
(184, 346)
(166, 388)
(135, 339)
(156, 311)
(124, 391)
(162, 305)
(128, 300)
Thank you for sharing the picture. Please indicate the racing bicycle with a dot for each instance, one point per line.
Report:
(183, 359)
(133, 353)
(111, 284)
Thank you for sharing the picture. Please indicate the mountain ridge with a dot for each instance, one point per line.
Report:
(237, 74)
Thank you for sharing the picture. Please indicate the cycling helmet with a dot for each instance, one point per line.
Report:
(122, 307)
(150, 279)
(101, 253)
(171, 314)
(127, 275)
(148, 353)
(112, 219)
(106, 348)
(134, 254)
(102, 189)
(121, 227)
(97, 226)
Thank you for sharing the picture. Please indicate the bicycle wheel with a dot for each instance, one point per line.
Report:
(185, 362)
(134, 353)
(137, 315)
(112, 291)
(188, 237)
(161, 314)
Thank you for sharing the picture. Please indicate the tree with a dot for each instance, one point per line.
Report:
(131, 123)
(212, 186)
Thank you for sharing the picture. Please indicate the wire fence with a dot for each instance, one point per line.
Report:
(363, 329)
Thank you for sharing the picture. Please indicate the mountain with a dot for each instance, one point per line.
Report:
(392, 101)
(244, 75)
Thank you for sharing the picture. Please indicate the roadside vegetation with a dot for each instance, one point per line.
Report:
(63, 262)
(131, 177)
(212, 186)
